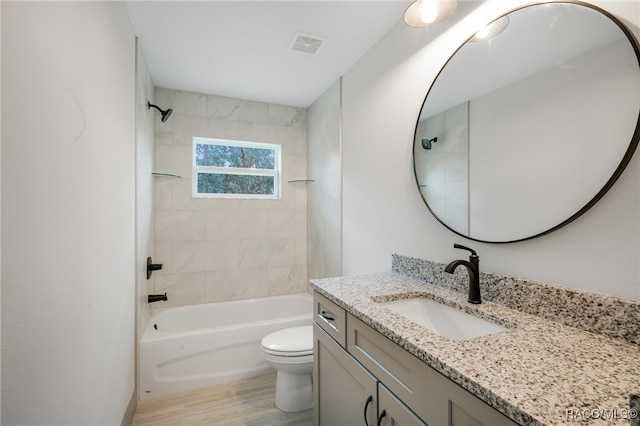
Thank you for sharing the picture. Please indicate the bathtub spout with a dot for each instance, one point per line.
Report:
(157, 297)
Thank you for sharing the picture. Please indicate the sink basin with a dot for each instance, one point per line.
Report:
(444, 320)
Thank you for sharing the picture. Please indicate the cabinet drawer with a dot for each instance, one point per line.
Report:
(404, 374)
(331, 318)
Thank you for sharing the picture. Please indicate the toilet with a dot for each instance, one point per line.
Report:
(290, 352)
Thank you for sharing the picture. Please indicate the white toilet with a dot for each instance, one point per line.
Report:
(290, 351)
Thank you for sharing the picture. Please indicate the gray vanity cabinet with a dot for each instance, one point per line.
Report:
(357, 369)
(342, 389)
(347, 394)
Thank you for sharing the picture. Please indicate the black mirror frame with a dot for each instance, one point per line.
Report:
(633, 144)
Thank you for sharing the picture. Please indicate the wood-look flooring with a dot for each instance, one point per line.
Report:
(246, 402)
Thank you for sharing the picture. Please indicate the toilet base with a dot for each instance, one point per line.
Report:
(293, 391)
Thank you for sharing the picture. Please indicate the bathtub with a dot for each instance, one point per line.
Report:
(190, 347)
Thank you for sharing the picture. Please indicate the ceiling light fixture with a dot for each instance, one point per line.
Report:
(491, 30)
(422, 13)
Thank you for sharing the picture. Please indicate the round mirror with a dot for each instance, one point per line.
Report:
(526, 128)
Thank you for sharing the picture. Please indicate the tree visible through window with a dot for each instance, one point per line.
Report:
(235, 169)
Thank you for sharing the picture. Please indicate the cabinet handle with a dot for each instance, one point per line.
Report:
(382, 414)
(326, 315)
(366, 405)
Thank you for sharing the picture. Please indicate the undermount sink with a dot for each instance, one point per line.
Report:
(444, 320)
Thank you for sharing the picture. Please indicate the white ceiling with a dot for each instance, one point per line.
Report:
(240, 48)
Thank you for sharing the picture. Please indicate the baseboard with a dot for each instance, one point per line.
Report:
(127, 419)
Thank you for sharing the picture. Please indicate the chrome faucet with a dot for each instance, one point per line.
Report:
(473, 267)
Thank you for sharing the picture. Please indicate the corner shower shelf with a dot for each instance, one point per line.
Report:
(300, 180)
(167, 175)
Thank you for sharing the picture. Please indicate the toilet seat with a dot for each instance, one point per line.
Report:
(290, 342)
(290, 352)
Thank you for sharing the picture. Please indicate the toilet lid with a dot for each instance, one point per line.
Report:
(290, 341)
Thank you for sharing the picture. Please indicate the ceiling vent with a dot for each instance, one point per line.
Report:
(306, 43)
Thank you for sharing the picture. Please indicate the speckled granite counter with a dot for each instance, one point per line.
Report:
(539, 372)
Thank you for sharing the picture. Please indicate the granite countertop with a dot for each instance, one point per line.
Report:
(538, 372)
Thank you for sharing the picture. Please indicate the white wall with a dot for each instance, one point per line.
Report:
(383, 212)
(68, 212)
(547, 104)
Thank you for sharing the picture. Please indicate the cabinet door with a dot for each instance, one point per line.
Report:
(452, 405)
(344, 392)
(393, 412)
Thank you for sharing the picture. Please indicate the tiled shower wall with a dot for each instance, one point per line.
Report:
(225, 249)
(325, 193)
(443, 171)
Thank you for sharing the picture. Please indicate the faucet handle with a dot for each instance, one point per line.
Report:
(460, 246)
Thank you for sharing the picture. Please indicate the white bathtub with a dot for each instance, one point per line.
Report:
(189, 347)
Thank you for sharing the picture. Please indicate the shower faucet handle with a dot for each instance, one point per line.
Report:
(152, 267)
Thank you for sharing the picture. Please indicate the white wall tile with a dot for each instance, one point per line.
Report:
(163, 256)
(301, 251)
(202, 256)
(234, 242)
(253, 253)
(236, 284)
(181, 289)
(180, 225)
(287, 116)
(287, 223)
(162, 193)
(324, 195)
(163, 138)
(236, 224)
(173, 159)
(286, 279)
(282, 252)
(190, 103)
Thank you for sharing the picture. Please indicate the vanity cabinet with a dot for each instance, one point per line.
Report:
(345, 393)
(362, 377)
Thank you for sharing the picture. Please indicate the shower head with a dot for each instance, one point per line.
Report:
(426, 143)
(164, 114)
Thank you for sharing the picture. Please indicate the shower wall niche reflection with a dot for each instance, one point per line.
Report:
(443, 170)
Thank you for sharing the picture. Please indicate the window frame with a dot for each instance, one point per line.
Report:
(276, 172)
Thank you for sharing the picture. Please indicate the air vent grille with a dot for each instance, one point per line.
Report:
(306, 43)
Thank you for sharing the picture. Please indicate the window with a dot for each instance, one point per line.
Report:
(235, 169)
